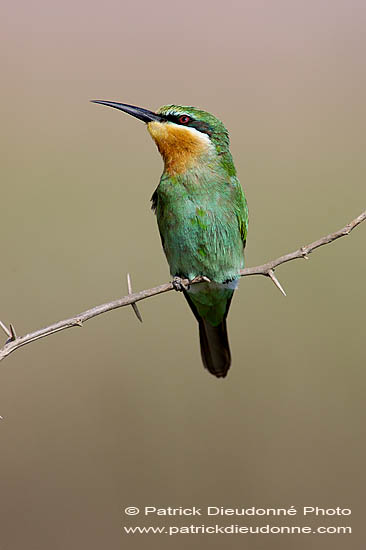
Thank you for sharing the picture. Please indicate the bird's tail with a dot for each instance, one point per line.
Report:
(215, 350)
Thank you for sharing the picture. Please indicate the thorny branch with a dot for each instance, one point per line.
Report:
(14, 342)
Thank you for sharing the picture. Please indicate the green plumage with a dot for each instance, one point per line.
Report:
(203, 218)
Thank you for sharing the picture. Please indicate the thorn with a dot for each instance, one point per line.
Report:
(276, 281)
(13, 333)
(5, 329)
(137, 311)
(206, 279)
(134, 305)
(129, 286)
(79, 322)
(304, 254)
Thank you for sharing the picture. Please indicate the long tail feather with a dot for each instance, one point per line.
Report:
(215, 351)
(214, 343)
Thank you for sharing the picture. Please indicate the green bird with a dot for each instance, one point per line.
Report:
(202, 216)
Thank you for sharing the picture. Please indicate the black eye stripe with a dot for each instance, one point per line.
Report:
(199, 125)
(172, 118)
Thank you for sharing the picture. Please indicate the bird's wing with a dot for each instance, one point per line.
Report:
(154, 208)
(241, 212)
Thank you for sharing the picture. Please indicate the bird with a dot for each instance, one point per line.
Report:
(202, 216)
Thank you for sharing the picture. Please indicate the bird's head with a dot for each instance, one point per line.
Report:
(185, 136)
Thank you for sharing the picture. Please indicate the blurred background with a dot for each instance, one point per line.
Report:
(121, 414)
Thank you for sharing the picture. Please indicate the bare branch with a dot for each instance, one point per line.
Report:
(267, 269)
(304, 251)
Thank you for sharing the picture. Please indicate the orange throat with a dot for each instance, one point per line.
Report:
(180, 147)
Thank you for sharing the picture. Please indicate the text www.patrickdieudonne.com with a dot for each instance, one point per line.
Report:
(273, 528)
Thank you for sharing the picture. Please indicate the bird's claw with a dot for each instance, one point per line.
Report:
(179, 285)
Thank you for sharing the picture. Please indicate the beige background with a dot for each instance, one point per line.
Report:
(120, 414)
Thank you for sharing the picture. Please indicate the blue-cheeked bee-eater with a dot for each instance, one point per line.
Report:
(202, 216)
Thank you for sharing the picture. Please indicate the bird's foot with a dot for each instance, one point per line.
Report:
(200, 279)
(179, 284)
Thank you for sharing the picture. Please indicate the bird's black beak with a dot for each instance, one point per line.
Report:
(138, 112)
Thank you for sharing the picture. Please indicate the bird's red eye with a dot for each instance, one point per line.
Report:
(184, 119)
